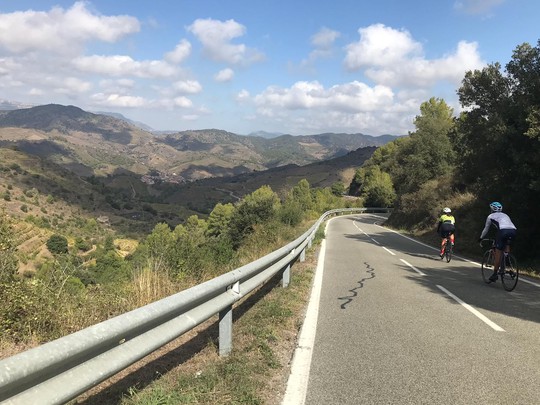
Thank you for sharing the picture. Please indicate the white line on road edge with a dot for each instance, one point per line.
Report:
(389, 251)
(298, 379)
(412, 267)
(528, 282)
(471, 309)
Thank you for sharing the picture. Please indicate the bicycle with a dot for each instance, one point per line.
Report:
(508, 270)
(448, 250)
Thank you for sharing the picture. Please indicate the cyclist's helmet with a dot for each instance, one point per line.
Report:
(495, 206)
(447, 210)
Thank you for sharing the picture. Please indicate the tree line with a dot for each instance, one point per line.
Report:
(489, 152)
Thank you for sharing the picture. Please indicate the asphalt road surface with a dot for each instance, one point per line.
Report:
(397, 325)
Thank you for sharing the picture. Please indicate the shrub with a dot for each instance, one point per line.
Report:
(57, 244)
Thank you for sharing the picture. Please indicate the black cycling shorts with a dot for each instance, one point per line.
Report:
(504, 237)
(446, 229)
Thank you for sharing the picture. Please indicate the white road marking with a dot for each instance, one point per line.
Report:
(301, 363)
(412, 267)
(528, 281)
(472, 310)
(389, 251)
(360, 229)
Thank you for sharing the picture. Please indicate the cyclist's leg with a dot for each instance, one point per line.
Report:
(444, 235)
(498, 254)
(508, 237)
(500, 243)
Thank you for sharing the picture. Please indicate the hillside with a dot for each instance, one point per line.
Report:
(64, 170)
(97, 144)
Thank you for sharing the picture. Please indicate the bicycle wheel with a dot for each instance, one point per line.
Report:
(487, 266)
(448, 251)
(511, 274)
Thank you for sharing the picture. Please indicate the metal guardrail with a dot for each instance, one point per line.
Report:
(59, 371)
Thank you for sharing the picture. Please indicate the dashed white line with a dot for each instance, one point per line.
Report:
(412, 267)
(472, 310)
(389, 251)
(433, 248)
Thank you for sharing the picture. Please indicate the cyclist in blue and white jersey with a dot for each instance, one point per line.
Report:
(506, 233)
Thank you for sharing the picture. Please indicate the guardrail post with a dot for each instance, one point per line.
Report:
(225, 326)
(303, 255)
(225, 331)
(286, 279)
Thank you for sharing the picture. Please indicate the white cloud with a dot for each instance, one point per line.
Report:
(187, 87)
(216, 37)
(393, 58)
(72, 85)
(224, 75)
(354, 96)
(180, 53)
(325, 38)
(118, 65)
(242, 96)
(60, 30)
(182, 102)
(380, 46)
(118, 100)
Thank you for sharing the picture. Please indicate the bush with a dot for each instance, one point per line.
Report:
(57, 244)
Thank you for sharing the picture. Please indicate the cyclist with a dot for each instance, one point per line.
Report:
(506, 233)
(446, 227)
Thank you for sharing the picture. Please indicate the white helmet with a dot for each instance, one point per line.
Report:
(447, 210)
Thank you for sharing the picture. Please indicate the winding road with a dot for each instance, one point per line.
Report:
(390, 323)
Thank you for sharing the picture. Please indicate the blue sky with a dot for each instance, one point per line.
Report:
(295, 67)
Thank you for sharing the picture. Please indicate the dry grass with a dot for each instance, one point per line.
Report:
(189, 370)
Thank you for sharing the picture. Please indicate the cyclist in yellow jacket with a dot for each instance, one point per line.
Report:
(446, 227)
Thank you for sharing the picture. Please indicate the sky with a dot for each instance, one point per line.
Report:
(294, 67)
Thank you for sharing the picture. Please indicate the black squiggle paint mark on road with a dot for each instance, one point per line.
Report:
(348, 299)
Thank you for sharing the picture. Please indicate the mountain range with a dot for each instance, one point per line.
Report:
(102, 166)
(99, 144)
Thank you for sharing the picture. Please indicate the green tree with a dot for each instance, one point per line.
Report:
(429, 153)
(498, 137)
(219, 219)
(160, 245)
(338, 188)
(258, 207)
(302, 194)
(379, 189)
(57, 244)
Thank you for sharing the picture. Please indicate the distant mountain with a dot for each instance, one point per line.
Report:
(100, 144)
(119, 116)
(267, 135)
(204, 194)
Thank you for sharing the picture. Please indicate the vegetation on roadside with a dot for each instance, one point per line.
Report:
(94, 279)
(490, 152)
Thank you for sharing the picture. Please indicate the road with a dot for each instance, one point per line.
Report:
(396, 325)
